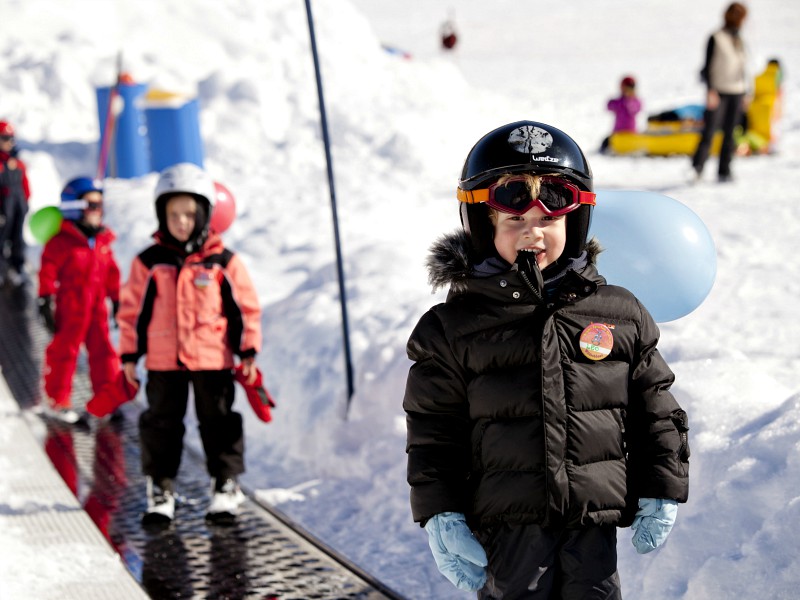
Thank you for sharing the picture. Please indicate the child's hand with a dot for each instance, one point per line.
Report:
(459, 556)
(653, 522)
(129, 369)
(712, 99)
(249, 370)
(47, 312)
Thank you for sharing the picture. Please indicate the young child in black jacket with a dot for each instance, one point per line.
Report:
(538, 407)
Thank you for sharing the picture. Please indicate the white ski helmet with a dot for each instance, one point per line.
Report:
(186, 178)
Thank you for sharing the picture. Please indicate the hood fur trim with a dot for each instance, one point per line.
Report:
(449, 261)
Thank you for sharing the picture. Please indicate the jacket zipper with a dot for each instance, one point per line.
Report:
(535, 292)
(538, 295)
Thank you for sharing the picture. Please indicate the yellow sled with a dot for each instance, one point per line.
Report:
(659, 142)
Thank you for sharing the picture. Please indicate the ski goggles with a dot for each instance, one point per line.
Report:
(72, 205)
(556, 196)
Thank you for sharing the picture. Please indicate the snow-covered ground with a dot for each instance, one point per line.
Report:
(400, 131)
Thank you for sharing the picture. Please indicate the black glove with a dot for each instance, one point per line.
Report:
(114, 311)
(47, 312)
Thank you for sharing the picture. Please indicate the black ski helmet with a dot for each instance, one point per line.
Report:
(524, 147)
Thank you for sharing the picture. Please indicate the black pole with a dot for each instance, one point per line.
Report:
(339, 265)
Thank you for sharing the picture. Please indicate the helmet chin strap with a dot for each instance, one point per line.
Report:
(196, 241)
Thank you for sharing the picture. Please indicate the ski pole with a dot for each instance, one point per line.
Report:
(329, 160)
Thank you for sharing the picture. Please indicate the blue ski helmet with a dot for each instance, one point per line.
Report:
(72, 202)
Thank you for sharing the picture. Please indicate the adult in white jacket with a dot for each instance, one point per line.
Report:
(725, 76)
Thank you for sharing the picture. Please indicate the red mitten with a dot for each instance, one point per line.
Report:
(111, 396)
(259, 397)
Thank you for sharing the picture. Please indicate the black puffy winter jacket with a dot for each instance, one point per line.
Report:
(508, 420)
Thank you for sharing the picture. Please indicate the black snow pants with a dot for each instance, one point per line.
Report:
(529, 562)
(13, 208)
(724, 117)
(161, 426)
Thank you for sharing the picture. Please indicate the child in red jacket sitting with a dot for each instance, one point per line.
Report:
(78, 272)
(190, 307)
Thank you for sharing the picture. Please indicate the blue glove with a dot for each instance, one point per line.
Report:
(652, 523)
(457, 553)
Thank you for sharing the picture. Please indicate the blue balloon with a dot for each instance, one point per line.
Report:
(657, 248)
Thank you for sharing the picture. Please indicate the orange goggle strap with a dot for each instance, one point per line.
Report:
(473, 196)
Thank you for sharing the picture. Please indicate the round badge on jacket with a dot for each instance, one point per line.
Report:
(596, 341)
(202, 280)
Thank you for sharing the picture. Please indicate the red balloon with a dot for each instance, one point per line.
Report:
(224, 211)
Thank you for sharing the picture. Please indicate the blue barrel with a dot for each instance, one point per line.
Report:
(128, 154)
(173, 126)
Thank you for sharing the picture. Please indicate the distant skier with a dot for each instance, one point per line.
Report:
(449, 37)
(538, 409)
(78, 273)
(190, 307)
(14, 194)
(625, 108)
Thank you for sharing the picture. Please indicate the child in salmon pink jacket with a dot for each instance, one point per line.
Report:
(190, 308)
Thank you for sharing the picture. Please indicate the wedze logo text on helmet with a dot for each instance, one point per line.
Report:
(524, 147)
(529, 139)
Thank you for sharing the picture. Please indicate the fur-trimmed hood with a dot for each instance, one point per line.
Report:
(449, 263)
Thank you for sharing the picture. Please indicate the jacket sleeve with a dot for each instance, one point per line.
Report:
(26, 187)
(633, 106)
(131, 296)
(246, 300)
(438, 424)
(705, 73)
(658, 442)
(50, 265)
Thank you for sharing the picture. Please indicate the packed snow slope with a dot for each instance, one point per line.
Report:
(400, 131)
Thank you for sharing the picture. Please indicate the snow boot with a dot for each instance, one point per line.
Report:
(65, 415)
(160, 503)
(225, 500)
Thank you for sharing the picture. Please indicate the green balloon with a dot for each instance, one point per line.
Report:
(45, 223)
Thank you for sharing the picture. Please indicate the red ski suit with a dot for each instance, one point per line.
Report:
(81, 276)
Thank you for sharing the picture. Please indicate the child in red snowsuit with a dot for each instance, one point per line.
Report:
(78, 272)
(190, 308)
